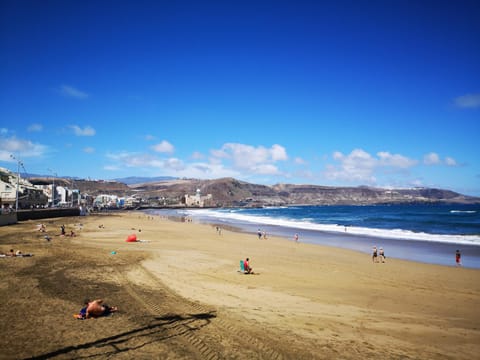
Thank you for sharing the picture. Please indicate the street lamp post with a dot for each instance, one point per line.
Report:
(18, 180)
(53, 186)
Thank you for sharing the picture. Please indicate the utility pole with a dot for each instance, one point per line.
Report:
(53, 186)
(18, 180)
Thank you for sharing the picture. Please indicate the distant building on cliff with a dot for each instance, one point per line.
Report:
(197, 200)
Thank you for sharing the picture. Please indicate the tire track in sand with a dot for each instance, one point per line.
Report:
(204, 331)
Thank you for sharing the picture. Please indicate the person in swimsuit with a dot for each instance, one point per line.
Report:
(246, 266)
(97, 308)
(375, 254)
(458, 258)
(381, 254)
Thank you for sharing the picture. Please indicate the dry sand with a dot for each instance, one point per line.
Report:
(181, 297)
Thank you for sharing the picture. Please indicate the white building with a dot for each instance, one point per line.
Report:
(9, 183)
(197, 200)
(106, 201)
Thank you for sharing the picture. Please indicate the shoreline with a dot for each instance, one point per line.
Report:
(421, 251)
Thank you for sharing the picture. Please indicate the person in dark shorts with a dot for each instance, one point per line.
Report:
(381, 255)
(374, 254)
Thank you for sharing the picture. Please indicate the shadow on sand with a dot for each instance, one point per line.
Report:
(160, 328)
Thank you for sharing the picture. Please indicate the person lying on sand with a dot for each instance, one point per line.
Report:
(96, 308)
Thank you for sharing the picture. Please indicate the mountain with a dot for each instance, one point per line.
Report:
(232, 192)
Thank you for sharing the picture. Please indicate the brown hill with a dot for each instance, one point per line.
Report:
(232, 192)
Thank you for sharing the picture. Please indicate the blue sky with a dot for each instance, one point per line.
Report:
(378, 93)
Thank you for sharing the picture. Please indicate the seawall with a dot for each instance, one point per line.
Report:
(8, 219)
(23, 215)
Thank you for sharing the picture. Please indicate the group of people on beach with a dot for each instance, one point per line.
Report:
(262, 234)
(13, 253)
(378, 255)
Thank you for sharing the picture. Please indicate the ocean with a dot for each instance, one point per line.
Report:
(422, 233)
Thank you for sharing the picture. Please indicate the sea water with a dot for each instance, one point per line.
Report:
(425, 233)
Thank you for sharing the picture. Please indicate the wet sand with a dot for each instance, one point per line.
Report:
(181, 296)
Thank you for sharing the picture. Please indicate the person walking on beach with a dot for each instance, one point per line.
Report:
(259, 234)
(381, 254)
(374, 254)
(458, 258)
(295, 238)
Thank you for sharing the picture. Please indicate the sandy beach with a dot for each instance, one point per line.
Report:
(181, 296)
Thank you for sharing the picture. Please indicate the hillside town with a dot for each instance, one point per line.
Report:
(21, 193)
(17, 193)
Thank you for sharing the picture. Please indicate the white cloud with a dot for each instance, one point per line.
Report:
(20, 148)
(278, 153)
(434, 159)
(360, 166)
(137, 160)
(173, 164)
(395, 160)
(163, 147)
(450, 161)
(35, 128)
(235, 160)
(86, 131)
(266, 169)
(202, 170)
(247, 158)
(72, 92)
(197, 155)
(111, 168)
(89, 150)
(299, 161)
(431, 159)
(468, 101)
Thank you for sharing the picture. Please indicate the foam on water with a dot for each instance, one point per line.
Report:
(233, 216)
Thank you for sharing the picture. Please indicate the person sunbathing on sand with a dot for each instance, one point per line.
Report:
(96, 308)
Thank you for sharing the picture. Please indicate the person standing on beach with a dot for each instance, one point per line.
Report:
(374, 254)
(381, 254)
(259, 234)
(296, 237)
(458, 258)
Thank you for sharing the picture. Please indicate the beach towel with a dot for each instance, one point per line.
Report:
(82, 315)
